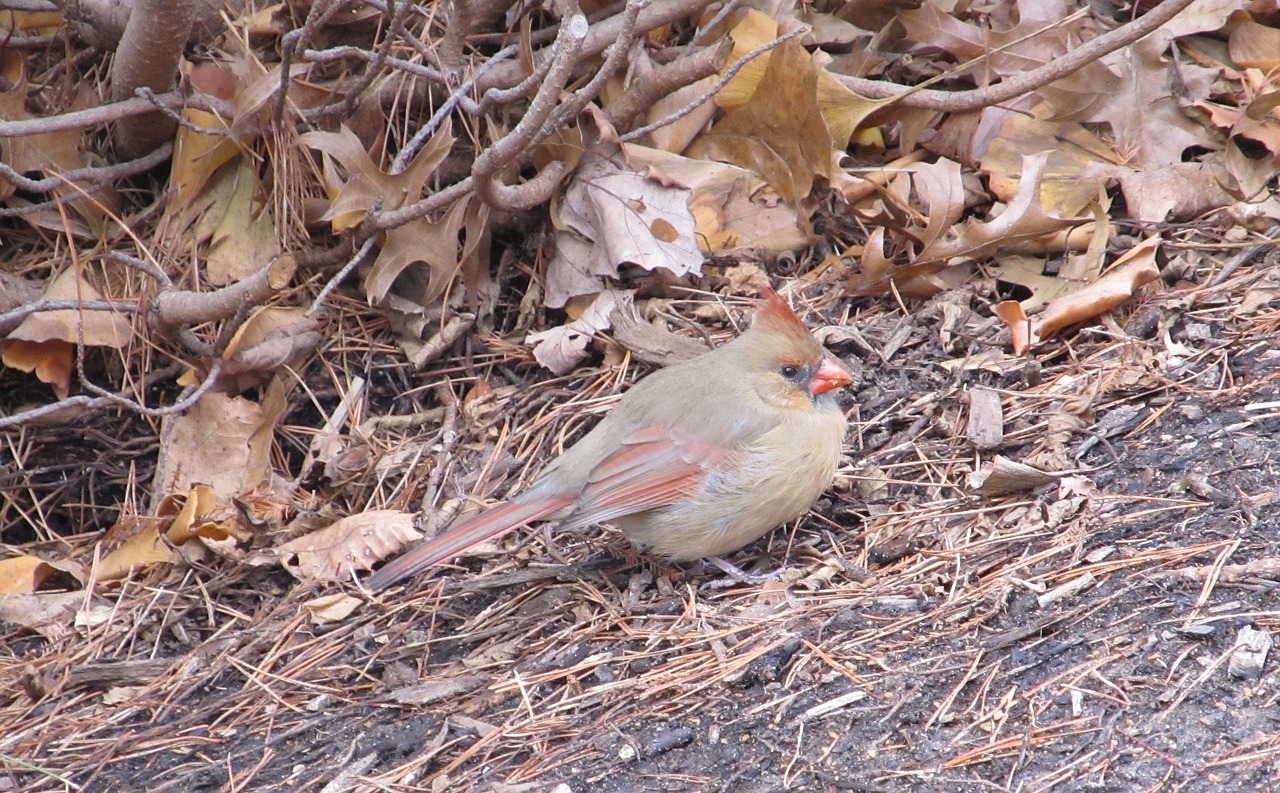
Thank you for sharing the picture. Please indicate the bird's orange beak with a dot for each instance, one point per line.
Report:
(831, 375)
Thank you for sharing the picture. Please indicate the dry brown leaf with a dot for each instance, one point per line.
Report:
(365, 185)
(732, 207)
(708, 218)
(198, 155)
(47, 154)
(1023, 218)
(780, 132)
(39, 611)
(1149, 125)
(755, 30)
(433, 246)
(612, 215)
(1254, 46)
(844, 111)
(875, 270)
(560, 349)
(331, 609)
(1070, 182)
(349, 545)
(93, 328)
(941, 190)
(272, 337)
(1013, 50)
(1252, 156)
(18, 574)
(218, 442)
(186, 512)
(1011, 314)
(760, 220)
(45, 341)
(1176, 191)
(1001, 476)
(50, 361)
(144, 548)
(244, 236)
(1131, 271)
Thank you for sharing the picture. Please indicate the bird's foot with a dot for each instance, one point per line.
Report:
(736, 575)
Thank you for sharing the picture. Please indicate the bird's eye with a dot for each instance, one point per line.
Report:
(789, 372)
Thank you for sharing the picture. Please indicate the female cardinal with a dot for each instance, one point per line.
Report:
(696, 460)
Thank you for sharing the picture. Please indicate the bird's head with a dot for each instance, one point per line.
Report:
(791, 368)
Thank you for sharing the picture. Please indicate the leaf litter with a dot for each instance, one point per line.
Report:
(1052, 513)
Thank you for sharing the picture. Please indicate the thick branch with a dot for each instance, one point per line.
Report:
(148, 58)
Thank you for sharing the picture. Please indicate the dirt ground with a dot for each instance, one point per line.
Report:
(924, 636)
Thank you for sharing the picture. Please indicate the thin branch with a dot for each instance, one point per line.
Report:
(666, 80)
(1013, 87)
(503, 152)
(613, 60)
(87, 403)
(108, 113)
(737, 66)
(341, 275)
(89, 178)
(11, 319)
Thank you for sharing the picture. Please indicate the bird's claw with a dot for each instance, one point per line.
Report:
(736, 575)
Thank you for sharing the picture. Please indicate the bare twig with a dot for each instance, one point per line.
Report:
(503, 152)
(613, 59)
(342, 274)
(106, 114)
(636, 134)
(90, 178)
(665, 80)
(978, 98)
(171, 308)
(86, 403)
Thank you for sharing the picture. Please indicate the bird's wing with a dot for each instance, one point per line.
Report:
(652, 467)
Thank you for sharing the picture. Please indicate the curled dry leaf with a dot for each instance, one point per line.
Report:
(560, 349)
(271, 338)
(179, 517)
(351, 544)
(44, 342)
(1131, 271)
(1001, 476)
(1010, 312)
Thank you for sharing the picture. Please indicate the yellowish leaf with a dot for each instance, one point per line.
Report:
(780, 132)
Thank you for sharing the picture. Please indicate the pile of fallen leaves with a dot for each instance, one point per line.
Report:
(301, 323)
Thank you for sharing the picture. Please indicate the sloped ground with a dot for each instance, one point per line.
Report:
(915, 642)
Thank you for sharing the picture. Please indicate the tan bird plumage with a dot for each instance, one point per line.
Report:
(696, 460)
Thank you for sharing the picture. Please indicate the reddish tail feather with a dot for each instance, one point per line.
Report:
(487, 525)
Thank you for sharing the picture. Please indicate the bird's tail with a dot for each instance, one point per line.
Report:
(478, 528)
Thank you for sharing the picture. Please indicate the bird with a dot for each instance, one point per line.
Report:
(695, 461)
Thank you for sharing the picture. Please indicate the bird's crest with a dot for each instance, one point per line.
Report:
(774, 313)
